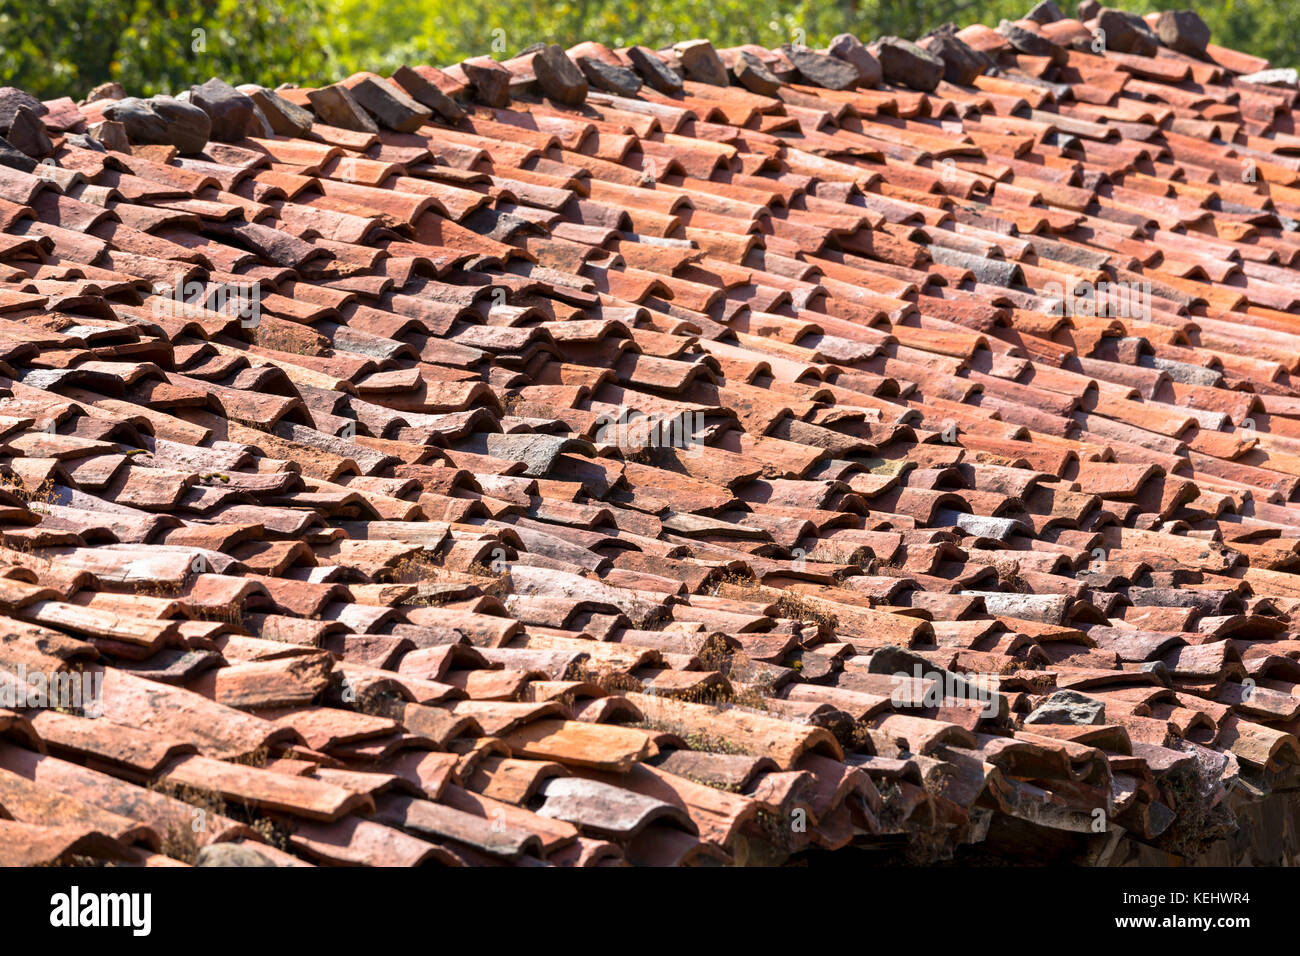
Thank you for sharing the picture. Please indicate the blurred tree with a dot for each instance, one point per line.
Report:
(65, 47)
(383, 34)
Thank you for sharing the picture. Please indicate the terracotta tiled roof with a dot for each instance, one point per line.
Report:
(682, 457)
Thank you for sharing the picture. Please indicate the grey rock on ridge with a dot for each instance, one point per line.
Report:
(163, 120)
(1184, 31)
(489, 80)
(11, 98)
(701, 62)
(233, 114)
(559, 77)
(284, 118)
(654, 70)
(15, 158)
(903, 62)
(851, 50)
(961, 63)
(1283, 76)
(389, 105)
(609, 77)
(335, 106)
(422, 91)
(823, 70)
(753, 74)
(1045, 11)
(27, 133)
(1030, 43)
(1127, 32)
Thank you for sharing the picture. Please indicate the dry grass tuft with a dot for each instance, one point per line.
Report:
(610, 682)
(889, 569)
(34, 498)
(182, 843)
(743, 579)
(794, 606)
(1009, 576)
(496, 582)
(419, 568)
(282, 340)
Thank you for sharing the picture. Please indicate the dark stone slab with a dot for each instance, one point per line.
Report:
(751, 73)
(559, 77)
(609, 77)
(233, 115)
(390, 107)
(162, 120)
(850, 49)
(904, 63)
(822, 70)
(654, 70)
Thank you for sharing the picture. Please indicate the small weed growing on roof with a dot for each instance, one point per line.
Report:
(232, 614)
(889, 569)
(24, 553)
(43, 494)
(1200, 820)
(661, 726)
(751, 697)
(609, 681)
(1009, 576)
(860, 737)
(421, 568)
(714, 654)
(21, 545)
(498, 585)
(655, 619)
(790, 605)
(415, 569)
(78, 860)
(797, 608)
(773, 827)
(156, 589)
(181, 842)
(743, 578)
(712, 743)
(891, 814)
(695, 740)
(638, 456)
(256, 758)
(827, 553)
(281, 340)
(418, 569)
(275, 833)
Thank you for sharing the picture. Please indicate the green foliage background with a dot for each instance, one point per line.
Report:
(65, 47)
